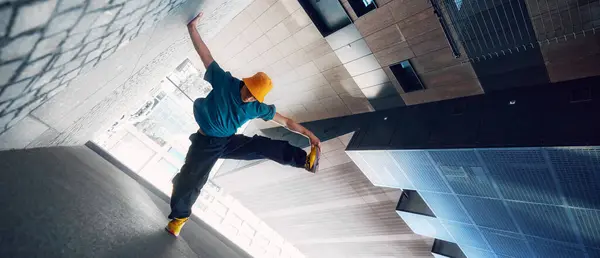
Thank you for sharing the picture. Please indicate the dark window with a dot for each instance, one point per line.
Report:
(411, 201)
(361, 7)
(328, 15)
(406, 76)
(581, 94)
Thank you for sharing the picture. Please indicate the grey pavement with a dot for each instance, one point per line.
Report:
(78, 66)
(69, 202)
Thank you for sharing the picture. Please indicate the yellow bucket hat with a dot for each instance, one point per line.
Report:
(259, 85)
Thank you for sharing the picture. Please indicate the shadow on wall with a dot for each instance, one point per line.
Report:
(325, 129)
(46, 44)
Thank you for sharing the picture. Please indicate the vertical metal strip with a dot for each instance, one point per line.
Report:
(564, 200)
(473, 28)
(524, 18)
(499, 193)
(462, 25)
(462, 206)
(508, 24)
(514, 14)
(449, 38)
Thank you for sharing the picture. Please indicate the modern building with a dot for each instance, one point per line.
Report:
(467, 122)
(499, 178)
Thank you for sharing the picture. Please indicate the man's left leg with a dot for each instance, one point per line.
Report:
(259, 147)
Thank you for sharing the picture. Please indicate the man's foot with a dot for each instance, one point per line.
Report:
(175, 225)
(312, 160)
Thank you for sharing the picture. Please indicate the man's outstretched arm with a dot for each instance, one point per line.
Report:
(199, 45)
(297, 128)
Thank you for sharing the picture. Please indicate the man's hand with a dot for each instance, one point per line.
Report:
(194, 22)
(295, 127)
(314, 141)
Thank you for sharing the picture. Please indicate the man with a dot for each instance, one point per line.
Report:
(230, 104)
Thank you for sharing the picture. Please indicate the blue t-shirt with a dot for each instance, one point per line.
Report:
(222, 112)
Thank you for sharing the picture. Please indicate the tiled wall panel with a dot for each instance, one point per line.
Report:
(522, 202)
(420, 170)
(507, 243)
(466, 234)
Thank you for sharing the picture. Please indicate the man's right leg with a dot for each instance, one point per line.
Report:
(282, 152)
(187, 184)
(259, 147)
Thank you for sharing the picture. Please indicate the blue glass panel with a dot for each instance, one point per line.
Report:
(552, 249)
(488, 213)
(465, 234)
(578, 172)
(588, 222)
(522, 174)
(472, 252)
(543, 221)
(464, 173)
(383, 165)
(506, 243)
(420, 170)
(425, 226)
(592, 252)
(445, 206)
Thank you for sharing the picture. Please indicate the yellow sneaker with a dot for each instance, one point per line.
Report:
(312, 160)
(175, 225)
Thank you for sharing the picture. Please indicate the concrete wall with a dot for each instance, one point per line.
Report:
(47, 44)
(69, 202)
(93, 101)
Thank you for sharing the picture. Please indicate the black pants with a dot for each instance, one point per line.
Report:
(205, 151)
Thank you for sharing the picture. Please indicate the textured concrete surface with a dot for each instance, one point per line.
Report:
(100, 95)
(46, 44)
(69, 202)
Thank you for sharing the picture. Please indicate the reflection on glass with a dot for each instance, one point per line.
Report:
(407, 76)
(163, 118)
(132, 152)
(177, 155)
(458, 4)
(362, 7)
(160, 173)
(161, 168)
(190, 81)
